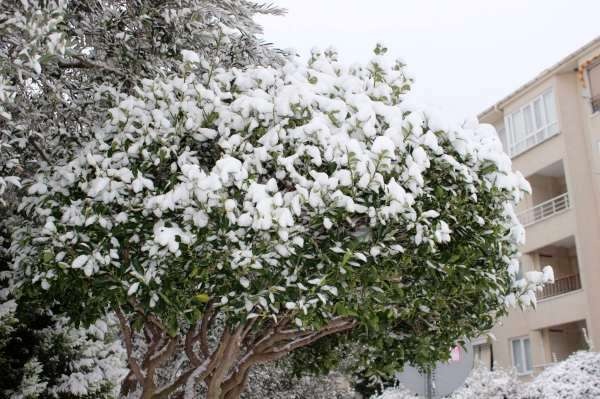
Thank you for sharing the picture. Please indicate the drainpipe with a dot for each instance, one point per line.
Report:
(491, 357)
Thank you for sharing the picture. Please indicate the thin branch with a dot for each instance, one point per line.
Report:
(165, 352)
(189, 346)
(154, 339)
(37, 148)
(167, 390)
(311, 339)
(207, 320)
(86, 63)
(248, 327)
(127, 336)
(151, 318)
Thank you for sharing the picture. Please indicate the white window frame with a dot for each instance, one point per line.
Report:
(522, 340)
(538, 133)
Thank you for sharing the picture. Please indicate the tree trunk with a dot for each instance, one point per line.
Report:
(224, 369)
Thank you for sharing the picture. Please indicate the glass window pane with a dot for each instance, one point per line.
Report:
(517, 355)
(528, 359)
(528, 118)
(550, 107)
(537, 110)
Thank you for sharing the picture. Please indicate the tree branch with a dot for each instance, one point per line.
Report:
(37, 148)
(188, 346)
(203, 370)
(86, 63)
(207, 319)
(151, 318)
(266, 349)
(127, 338)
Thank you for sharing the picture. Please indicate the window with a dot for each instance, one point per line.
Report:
(594, 76)
(521, 355)
(532, 123)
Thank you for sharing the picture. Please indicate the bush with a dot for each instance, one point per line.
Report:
(576, 377)
(60, 361)
(482, 383)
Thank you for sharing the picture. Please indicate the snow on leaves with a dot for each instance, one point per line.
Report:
(280, 183)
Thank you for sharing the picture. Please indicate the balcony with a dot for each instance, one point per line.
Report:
(561, 286)
(545, 210)
(562, 256)
(549, 195)
(562, 340)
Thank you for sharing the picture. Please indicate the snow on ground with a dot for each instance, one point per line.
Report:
(577, 377)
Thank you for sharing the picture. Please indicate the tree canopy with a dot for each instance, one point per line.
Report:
(234, 205)
(310, 199)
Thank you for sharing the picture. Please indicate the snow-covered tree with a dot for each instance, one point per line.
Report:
(60, 361)
(269, 207)
(59, 59)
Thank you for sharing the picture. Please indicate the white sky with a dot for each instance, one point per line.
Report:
(465, 54)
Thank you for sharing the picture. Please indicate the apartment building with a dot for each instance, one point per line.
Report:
(551, 129)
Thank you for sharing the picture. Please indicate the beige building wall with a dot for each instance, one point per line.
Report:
(562, 230)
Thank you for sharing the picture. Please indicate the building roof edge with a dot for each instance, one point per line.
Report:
(543, 75)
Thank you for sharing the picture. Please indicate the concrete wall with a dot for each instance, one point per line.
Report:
(580, 158)
(577, 146)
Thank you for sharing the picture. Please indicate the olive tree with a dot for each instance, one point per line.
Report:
(57, 58)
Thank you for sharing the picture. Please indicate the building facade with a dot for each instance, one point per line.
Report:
(551, 129)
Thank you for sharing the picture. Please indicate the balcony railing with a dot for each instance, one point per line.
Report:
(561, 286)
(545, 210)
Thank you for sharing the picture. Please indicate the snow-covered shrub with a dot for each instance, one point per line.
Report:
(294, 202)
(66, 362)
(576, 377)
(41, 356)
(483, 383)
(398, 392)
(99, 362)
(32, 385)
